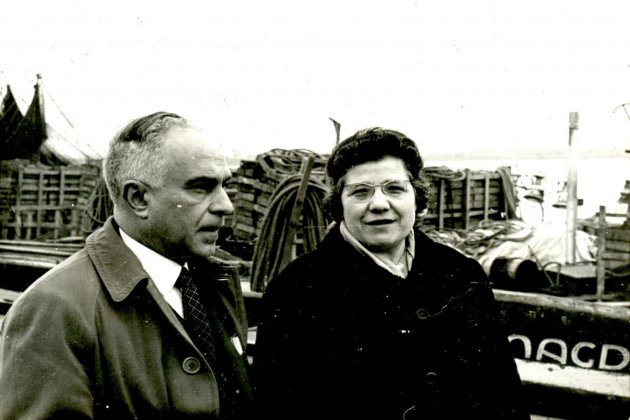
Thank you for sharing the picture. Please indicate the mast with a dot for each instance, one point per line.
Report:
(38, 88)
(572, 201)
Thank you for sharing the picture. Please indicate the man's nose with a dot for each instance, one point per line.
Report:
(221, 203)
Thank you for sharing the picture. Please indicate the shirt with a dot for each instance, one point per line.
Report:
(161, 270)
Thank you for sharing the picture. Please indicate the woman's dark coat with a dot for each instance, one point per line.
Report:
(341, 337)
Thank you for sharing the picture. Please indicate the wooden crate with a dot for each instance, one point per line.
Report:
(462, 201)
(255, 182)
(44, 202)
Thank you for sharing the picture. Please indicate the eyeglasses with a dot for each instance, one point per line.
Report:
(362, 192)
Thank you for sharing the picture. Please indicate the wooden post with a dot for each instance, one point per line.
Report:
(296, 212)
(486, 196)
(337, 129)
(572, 191)
(441, 204)
(467, 199)
(601, 248)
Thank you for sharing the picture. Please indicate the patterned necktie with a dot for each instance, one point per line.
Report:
(195, 316)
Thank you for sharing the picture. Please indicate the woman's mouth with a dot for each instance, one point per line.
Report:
(379, 222)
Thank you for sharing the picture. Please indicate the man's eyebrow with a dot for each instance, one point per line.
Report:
(207, 180)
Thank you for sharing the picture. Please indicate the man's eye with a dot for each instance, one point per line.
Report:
(204, 187)
(201, 189)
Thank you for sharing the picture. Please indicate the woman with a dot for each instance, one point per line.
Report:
(380, 322)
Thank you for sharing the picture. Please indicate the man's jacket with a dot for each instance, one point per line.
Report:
(94, 338)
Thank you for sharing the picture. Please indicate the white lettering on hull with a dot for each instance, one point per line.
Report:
(583, 354)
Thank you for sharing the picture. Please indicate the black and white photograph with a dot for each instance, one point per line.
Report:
(300, 210)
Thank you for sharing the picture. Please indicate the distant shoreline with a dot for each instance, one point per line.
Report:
(527, 154)
(472, 155)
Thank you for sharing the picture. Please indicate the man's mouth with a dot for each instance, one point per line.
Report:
(210, 229)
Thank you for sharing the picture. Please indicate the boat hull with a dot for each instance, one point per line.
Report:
(573, 356)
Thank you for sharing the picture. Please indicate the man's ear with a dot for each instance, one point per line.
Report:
(134, 194)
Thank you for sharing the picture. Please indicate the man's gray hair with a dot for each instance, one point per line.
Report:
(134, 153)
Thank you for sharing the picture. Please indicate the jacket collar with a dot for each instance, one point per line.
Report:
(121, 272)
(118, 267)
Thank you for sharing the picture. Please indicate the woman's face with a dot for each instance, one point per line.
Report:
(383, 221)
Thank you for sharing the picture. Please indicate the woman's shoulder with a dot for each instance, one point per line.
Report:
(449, 264)
(302, 268)
(312, 270)
(427, 245)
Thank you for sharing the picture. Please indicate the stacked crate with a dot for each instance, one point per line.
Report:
(43, 202)
(253, 193)
(616, 251)
(462, 199)
(617, 247)
(255, 183)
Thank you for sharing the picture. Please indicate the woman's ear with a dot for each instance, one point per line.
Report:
(135, 195)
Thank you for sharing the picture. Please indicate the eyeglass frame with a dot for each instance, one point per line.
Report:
(372, 189)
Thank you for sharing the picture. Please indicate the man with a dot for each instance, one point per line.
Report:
(106, 333)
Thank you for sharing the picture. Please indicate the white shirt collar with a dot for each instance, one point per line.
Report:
(395, 269)
(162, 271)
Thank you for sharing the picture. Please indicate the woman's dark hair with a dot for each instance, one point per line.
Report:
(371, 145)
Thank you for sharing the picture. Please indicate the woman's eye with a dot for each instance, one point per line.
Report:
(360, 192)
(395, 189)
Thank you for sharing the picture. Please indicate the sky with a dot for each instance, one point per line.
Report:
(456, 76)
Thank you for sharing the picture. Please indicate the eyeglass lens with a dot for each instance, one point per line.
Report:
(363, 192)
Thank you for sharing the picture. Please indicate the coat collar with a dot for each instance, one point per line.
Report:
(121, 273)
(118, 267)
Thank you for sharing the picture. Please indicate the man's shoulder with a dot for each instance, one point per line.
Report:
(72, 279)
(66, 295)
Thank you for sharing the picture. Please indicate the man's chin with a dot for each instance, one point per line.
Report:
(204, 250)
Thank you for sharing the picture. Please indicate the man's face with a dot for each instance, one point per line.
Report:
(186, 210)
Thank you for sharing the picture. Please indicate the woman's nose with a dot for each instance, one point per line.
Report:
(379, 201)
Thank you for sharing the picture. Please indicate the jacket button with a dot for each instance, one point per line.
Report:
(431, 378)
(191, 365)
(422, 314)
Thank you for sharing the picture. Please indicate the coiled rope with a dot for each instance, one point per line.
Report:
(279, 163)
(273, 242)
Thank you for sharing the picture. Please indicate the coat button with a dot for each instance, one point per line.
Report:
(422, 314)
(191, 365)
(431, 378)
